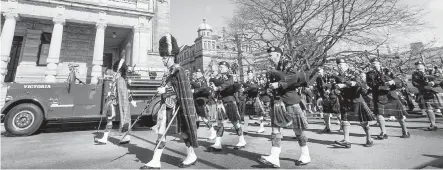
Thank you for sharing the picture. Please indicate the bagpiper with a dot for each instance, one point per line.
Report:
(329, 100)
(225, 89)
(385, 99)
(177, 98)
(430, 92)
(120, 99)
(285, 107)
(352, 105)
(253, 105)
(201, 97)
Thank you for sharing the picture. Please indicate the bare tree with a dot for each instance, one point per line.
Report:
(308, 29)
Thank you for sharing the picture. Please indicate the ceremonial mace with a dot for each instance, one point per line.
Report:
(146, 107)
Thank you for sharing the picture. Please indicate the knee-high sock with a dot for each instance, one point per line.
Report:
(431, 116)
(382, 123)
(276, 139)
(246, 123)
(162, 142)
(327, 120)
(238, 128)
(220, 129)
(402, 122)
(365, 126)
(302, 139)
(345, 125)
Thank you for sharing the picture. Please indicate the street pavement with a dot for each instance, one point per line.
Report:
(73, 148)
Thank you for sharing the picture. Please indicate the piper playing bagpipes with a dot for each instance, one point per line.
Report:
(177, 98)
(225, 89)
(430, 92)
(285, 107)
(352, 105)
(120, 98)
(385, 99)
(253, 105)
(201, 96)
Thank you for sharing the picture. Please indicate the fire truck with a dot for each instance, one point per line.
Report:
(30, 106)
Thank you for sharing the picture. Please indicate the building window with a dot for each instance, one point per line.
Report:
(206, 46)
(213, 45)
(43, 50)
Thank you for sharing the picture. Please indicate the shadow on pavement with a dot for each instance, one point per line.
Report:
(438, 163)
(144, 155)
(229, 149)
(320, 131)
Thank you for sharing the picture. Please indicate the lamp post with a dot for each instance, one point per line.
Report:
(238, 39)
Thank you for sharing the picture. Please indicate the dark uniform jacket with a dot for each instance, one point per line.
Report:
(421, 82)
(201, 89)
(289, 84)
(227, 87)
(350, 93)
(380, 89)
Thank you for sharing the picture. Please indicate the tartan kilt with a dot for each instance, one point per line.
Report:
(299, 119)
(200, 107)
(393, 107)
(252, 107)
(357, 111)
(434, 101)
(331, 105)
(231, 109)
(241, 108)
(279, 115)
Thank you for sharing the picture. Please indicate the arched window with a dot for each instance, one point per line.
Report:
(213, 45)
(206, 46)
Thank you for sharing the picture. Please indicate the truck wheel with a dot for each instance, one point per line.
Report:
(24, 119)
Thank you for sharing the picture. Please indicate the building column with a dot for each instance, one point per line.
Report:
(55, 47)
(6, 39)
(144, 47)
(99, 46)
(136, 46)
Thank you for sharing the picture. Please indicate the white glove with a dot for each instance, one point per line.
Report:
(134, 103)
(431, 83)
(392, 82)
(274, 85)
(353, 83)
(341, 85)
(161, 90)
(192, 90)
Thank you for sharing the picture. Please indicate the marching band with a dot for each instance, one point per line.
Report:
(284, 95)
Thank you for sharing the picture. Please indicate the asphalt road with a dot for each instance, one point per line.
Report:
(73, 148)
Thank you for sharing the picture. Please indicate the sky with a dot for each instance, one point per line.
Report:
(187, 15)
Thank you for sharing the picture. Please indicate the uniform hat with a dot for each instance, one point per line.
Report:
(419, 62)
(340, 60)
(275, 49)
(224, 63)
(249, 71)
(168, 46)
(374, 60)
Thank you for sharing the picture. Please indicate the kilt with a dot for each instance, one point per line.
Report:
(356, 111)
(393, 107)
(200, 107)
(299, 119)
(429, 102)
(241, 108)
(279, 115)
(331, 105)
(253, 107)
(228, 111)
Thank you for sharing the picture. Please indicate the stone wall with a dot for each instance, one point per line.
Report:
(77, 47)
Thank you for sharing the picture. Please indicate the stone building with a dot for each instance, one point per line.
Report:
(40, 38)
(209, 49)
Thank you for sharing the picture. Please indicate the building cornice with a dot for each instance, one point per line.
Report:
(95, 6)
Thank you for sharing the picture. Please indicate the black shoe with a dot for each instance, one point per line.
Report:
(369, 144)
(326, 130)
(382, 136)
(432, 128)
(214, 149)
(343, 143)
(295, 137)
(182, 165)
(245, 133)
(300, 163)
(239, 147)
(148, 167)
(123, 142)
(406, 135)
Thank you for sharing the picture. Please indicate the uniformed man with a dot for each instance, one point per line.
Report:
(253, 105)
(352, 105)
(225, 89)
(176, 99)
(430, 92)
(385, 99)
(285, 107)
(330, 104)
(201, 96)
